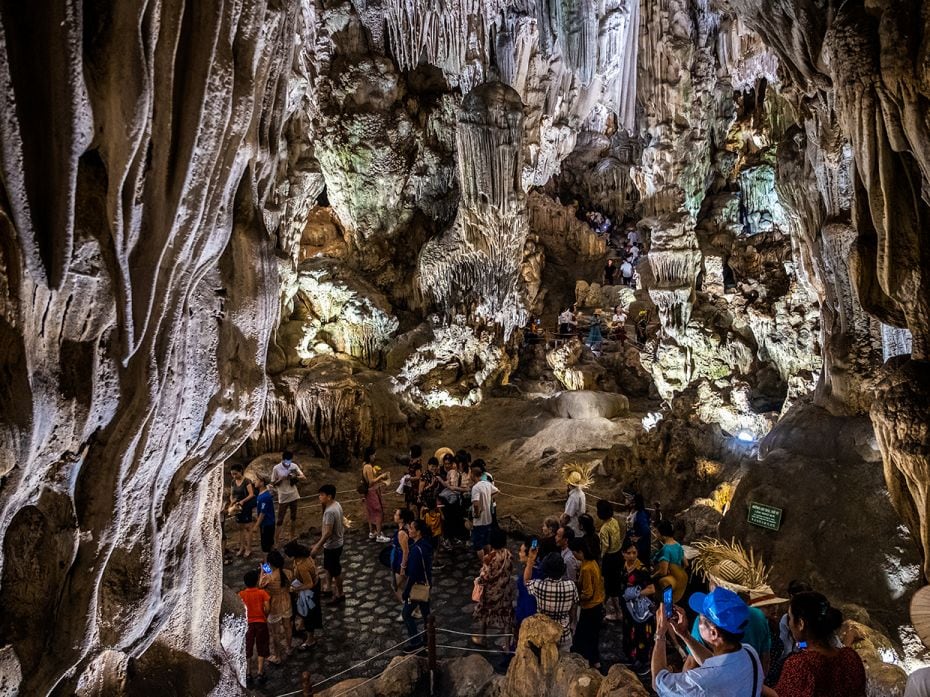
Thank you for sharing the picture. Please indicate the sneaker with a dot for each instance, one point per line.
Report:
(371, 536)
(382, 539)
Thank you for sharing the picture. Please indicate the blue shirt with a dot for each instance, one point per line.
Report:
(265, 505)
(727, 675)
(419, 565)
(672, 553)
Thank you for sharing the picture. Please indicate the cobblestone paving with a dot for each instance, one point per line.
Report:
(369, 622)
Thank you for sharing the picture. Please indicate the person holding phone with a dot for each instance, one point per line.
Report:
(526, 603)
(726, 667)
(637, 608)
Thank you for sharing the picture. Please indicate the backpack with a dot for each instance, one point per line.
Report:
(362, 487)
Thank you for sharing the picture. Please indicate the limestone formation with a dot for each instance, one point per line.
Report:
(140, 147)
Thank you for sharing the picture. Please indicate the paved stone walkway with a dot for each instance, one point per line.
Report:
(369, 622)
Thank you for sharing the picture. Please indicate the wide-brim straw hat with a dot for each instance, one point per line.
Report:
(764, 595)
(729, 565)
(442, 452)
(920, 614)
(578, 475)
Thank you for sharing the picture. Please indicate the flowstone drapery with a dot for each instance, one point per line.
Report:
(138, 153)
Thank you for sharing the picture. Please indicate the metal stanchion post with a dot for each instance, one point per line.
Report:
(306, 684)
(431, 652)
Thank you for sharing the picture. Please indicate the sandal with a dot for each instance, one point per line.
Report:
(274, 660)
(307, 645)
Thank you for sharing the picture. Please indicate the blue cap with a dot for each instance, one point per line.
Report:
(723, 608)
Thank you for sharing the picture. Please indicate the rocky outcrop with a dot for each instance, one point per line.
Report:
(137, 301)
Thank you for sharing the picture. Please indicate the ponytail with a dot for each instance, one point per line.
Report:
(821, 619)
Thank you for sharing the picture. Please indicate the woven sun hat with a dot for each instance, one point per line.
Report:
(764, 595)
(442, 452)
(920, 614)
(598, 311)
(729, 565)
(578, 475)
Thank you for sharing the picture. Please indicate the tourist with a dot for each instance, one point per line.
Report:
(372, 481)
(610, 541)
(547, 543)
(639, 529)
(555, 597)
(563, 539)
(626, 272)
(595, 337)
(821, 669)
(495, 608)
(419, 573)
(784, 632)
(591, 599)
(400, 549)
(242, 498)
(642, 326)
(638, 608)
(576, 503)
(430, 484)
(669, 562)
(482, 497)
(256, 603)
(276, 581)
(432, 516)
(453, 512)
(331, 541)
(526, 603)
(411, 481)
(284, 478)
(589, 532)
(567, 323)
(918, 683)
(265, 523)
(725, 667)
(306, 591)
(763, 600)
(618, 325)
(609, 271)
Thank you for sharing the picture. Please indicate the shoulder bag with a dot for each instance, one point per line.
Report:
(419, 593)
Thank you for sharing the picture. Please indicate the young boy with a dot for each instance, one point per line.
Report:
(256, 603)
(264, 504)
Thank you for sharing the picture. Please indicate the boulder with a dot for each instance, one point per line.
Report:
(536, 658)
(357, 687)
(588, 404)
(401, 676)
(574, 678)
(467, 676)
(621, 682)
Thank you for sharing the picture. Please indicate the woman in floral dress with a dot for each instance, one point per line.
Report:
(495, 608)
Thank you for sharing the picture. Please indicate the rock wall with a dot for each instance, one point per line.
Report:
(139, 154)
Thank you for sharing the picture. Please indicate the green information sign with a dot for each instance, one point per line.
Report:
(767, 517)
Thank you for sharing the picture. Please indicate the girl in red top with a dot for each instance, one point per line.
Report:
(820, 669)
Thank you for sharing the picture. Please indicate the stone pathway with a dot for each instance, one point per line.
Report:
(369, 622)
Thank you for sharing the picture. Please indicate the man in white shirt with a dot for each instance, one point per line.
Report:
(576, 504)
(563, 538)
(482, 501)
(284, 478)
(331, 541)
(626, 271)
(728, 668)
(567, 322)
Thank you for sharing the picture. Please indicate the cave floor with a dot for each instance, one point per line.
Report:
(369, 622)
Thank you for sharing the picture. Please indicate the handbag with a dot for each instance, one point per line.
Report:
(477, 590)
(362, 487)
(419, 592)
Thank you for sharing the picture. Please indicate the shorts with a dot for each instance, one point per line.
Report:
(266, 535)
(284, 507)
(480, 536)
(331, 561)
(256, 636)
(245, 515)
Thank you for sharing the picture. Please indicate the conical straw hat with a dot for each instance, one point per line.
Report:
(920, 614)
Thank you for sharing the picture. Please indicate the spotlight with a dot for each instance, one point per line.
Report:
(745, 436)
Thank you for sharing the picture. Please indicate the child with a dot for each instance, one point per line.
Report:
(266, 520)
(432, 516)
(256, 637)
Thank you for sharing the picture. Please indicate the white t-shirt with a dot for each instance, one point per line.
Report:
(626, 269)
(287, 492)
(482, 492)
(574, 507)
(729, 675)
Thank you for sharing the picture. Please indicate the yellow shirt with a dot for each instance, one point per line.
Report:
(610, 537)
(434, 521)
(590, 585)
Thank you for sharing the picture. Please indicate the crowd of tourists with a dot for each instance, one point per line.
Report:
(618, 570)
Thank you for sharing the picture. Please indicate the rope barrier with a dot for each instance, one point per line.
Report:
(470, 648)
(452, 631)
(375, 677)
(368, 660)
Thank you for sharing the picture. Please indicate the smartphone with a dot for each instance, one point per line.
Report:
(266, 568)
(534, 544)
(667, 602)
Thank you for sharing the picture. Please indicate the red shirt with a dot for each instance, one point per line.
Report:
(255, 599)
(813, 674)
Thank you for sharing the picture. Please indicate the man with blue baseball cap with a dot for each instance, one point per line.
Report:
(728, 668)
